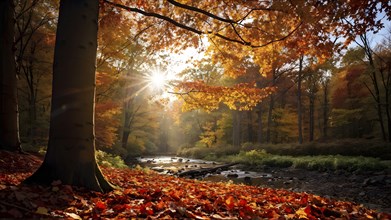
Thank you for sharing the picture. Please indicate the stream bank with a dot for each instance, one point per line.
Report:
(373, 189)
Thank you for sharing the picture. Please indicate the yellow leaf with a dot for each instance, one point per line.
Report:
(301, 213)
(55, 189)
(42, 211)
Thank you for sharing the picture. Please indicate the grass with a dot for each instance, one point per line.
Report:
(346, 154)
(344, 147)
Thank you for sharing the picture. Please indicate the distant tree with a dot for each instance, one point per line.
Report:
(34, 42)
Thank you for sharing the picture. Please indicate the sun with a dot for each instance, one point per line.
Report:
(157, 80)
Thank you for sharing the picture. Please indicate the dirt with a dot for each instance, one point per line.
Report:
(372, 189)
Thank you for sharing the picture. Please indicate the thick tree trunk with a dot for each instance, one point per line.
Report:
(299, 103)
(9, 127)
(70, 156)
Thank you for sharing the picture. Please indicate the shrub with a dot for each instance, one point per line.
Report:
(248, 146)
(194, 152)
(110, 160)
(278, 161)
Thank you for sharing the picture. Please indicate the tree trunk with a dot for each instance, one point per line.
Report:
(236, 129)
(299, 103)
(70, 156)
(376, 93)
(312, 118)
(126, 125)
(33, 88)
(325, 107)
(271, 108)
(125, 137)
(388, 114)
(270, 119)
(386, 85)
(250, 129)
(9, 125)
(260, 125)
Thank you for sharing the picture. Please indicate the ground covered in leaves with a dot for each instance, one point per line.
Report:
(146, 194)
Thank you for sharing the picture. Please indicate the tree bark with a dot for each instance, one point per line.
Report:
(70, 156)
(9, 124)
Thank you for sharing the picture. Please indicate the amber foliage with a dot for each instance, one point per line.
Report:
(199, 95)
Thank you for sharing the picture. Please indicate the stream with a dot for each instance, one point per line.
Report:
(175, 165)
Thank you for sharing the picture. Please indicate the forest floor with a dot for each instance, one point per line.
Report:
(373, 189)
(146, 194)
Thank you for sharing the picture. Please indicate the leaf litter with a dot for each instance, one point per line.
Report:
(146, 194)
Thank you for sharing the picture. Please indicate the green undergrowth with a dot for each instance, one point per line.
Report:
(109, 160)
(342, 154)
(260, 158)
(344, 147)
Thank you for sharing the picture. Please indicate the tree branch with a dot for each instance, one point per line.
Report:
(199, 32)
(191, 8)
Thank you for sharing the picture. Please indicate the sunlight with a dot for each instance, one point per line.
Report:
(157, 80)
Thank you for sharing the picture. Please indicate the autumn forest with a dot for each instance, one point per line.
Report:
(289, 91)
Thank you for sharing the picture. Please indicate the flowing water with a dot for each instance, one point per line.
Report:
(174, 165)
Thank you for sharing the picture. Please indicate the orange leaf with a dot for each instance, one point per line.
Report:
(230, 202)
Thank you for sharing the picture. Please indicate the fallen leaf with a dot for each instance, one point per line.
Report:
(101, 205)
(42, 211)
(73, 215)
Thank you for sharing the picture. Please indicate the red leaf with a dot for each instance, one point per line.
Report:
(242, 202)
(146, 209)
(100, 205)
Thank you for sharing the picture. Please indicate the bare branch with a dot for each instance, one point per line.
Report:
(191, 8)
